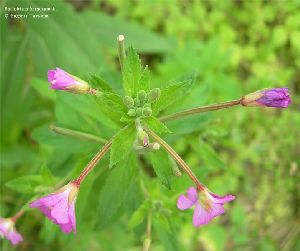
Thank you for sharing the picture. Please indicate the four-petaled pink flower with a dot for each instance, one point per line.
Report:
(272, 97)
(61, 80)
(59, 207)
(207, 205)
(8, 231)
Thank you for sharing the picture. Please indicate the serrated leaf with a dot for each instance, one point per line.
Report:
(115, 190)
(171, 94)
(112, 102)
(162, 167)
(100, 83)
(132, 72)
(144, 82)
(25, 184)
(122, 144)
(156, 125)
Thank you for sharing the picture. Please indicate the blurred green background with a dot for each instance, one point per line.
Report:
(233, 47)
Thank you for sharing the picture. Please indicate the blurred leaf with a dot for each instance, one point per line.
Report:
(25, 184)
(139, 215)
(107, 28)
(115, 189)
(43, 88)
(122, 144)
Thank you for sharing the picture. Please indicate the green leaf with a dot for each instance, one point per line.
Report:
(99, 83)
(47, 176)
(113, 102)
(156, 125)
(122, 144)
(42, 87)
(144, 82)
(139, 215)
(115, 190)
(25, 184)
(132, 72)
(166, 234)
(162, 167)
(171, 94)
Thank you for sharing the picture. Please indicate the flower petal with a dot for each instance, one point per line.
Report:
(72, 215)
(202, 217)
(215, 198)
(185, 202)
(60, 212)
(14, 237)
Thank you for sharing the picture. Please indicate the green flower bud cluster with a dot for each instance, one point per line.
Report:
(140, 105)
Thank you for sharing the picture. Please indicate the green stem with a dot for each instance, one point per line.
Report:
(177, 158)
(93, 162)
(121, 50)
(201, 109)
(76, 134)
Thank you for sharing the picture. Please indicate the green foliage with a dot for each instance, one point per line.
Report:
(122, 144)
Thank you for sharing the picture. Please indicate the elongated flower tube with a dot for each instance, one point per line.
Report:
(59, 207)
(61, 80)
(273, 97)
(8, 230)
(207, 204)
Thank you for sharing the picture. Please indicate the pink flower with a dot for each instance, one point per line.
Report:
(59, 207)
(61, 80)
(207, 204)
(8, 230)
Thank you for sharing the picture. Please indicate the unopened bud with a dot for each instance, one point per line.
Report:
(273, 97)
(131, 112)
(147, 112)
(128, 101)
(154, 95)
(139, 111)
(156, 146)
(143, 138)
(142, 96)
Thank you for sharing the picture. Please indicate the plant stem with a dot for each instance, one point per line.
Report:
(177, 158)
(121, 50)
(17, 216)
(93, 162)
(201, 109)
(76, 134)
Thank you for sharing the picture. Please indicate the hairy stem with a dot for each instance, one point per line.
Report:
(76, 134)
(93, 162)
(176, 157)
(201, 109)
(121, 50)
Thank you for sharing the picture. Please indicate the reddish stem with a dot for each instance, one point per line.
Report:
(17, 216)
(93, 163)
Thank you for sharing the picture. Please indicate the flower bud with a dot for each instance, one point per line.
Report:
(139, 111)
(147, 112)
(154, 95)
(61, 80)
(275, 97)
(143, 137)
(137, 102)
(142, 96)
(132, 112)
(128, 101)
